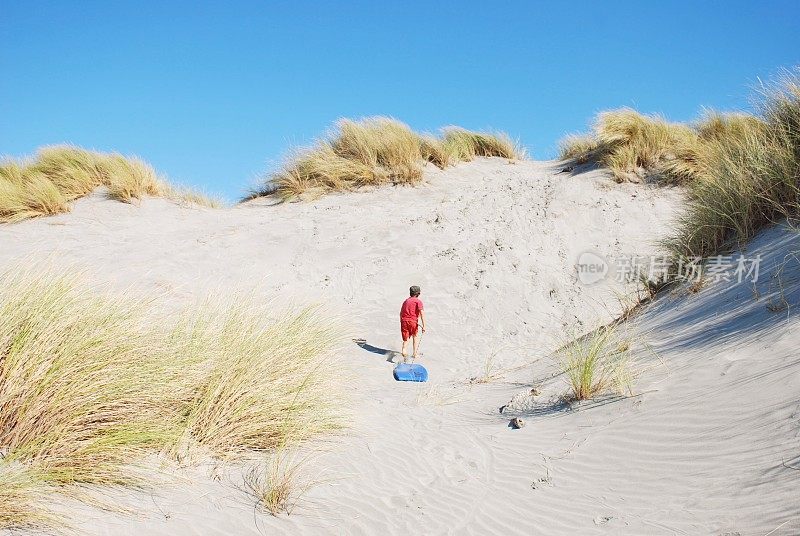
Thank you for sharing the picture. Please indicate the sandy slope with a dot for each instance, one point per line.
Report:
(493, 246)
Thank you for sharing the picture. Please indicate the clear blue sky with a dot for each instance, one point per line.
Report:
(213, 96)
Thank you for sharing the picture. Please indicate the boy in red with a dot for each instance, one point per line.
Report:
(409, 311)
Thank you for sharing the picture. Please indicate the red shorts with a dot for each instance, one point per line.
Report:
(408, 328)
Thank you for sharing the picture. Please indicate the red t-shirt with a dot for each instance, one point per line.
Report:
(411, 309)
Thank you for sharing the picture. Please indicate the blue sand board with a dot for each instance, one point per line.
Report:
(410, 373)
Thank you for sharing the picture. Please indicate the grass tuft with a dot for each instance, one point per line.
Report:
(579, 148)
(20, 494)
(277, 486)
(466, 145)
(742, 171)
(58, 175)
(377, 151)
(633, 144)
(748, 174)
(436, 151)
(266, 387)
(597, 363)
(382, 144)
(82, 383)
(90, 384)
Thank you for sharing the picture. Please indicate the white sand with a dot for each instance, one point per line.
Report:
(493, 245)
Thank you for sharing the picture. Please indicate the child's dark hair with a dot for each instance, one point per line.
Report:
(414, 291)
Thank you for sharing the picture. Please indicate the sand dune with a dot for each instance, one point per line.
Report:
(706, 446)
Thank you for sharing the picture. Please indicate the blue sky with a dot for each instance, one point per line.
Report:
(214, 95)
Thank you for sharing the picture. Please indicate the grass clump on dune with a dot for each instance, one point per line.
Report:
(266, 386)
(90, 385)
(376, 151)
(749, 176)
(58, 175)
(579, 148)
(388, 147)
(82, 382)
(692, 161)
(465, 145)
(630, 144)
(20, 493)
(635, 146)
(436, 151)
(596, 363)
(742, 171)
(279, 485)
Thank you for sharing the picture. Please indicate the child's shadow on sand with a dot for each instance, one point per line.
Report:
(388, 354)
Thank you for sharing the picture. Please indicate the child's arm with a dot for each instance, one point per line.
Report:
(422, 318)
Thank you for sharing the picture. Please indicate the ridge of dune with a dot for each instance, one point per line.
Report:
(706, 446)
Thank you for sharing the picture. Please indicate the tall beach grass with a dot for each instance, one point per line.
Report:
(57, 175)
(92, 384)
(748, 175)
(742, 171)
(376, 151)
(265, 384)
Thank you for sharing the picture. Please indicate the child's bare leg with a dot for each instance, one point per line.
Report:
(415, 341)
(403, 350)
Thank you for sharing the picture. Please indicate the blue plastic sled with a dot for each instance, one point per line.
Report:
(410, 373)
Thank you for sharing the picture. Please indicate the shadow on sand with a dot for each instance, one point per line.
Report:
(388, 354)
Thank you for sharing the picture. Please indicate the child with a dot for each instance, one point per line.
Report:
(410, 310)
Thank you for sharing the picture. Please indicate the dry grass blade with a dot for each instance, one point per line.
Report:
(439, 395)
(489, 373)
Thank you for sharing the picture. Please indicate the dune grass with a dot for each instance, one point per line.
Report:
(82, 387)
(21, 491)
(388, 147)
(693, 161)
(376, 151)
(596, 363)
(436, 151)
(742, 170)
(630, 144)
(58, 175)
(465, 145)
(278, 485)
(579, 148)
(92, 384)
(748, 178)
(266, 387)
(636, 147)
